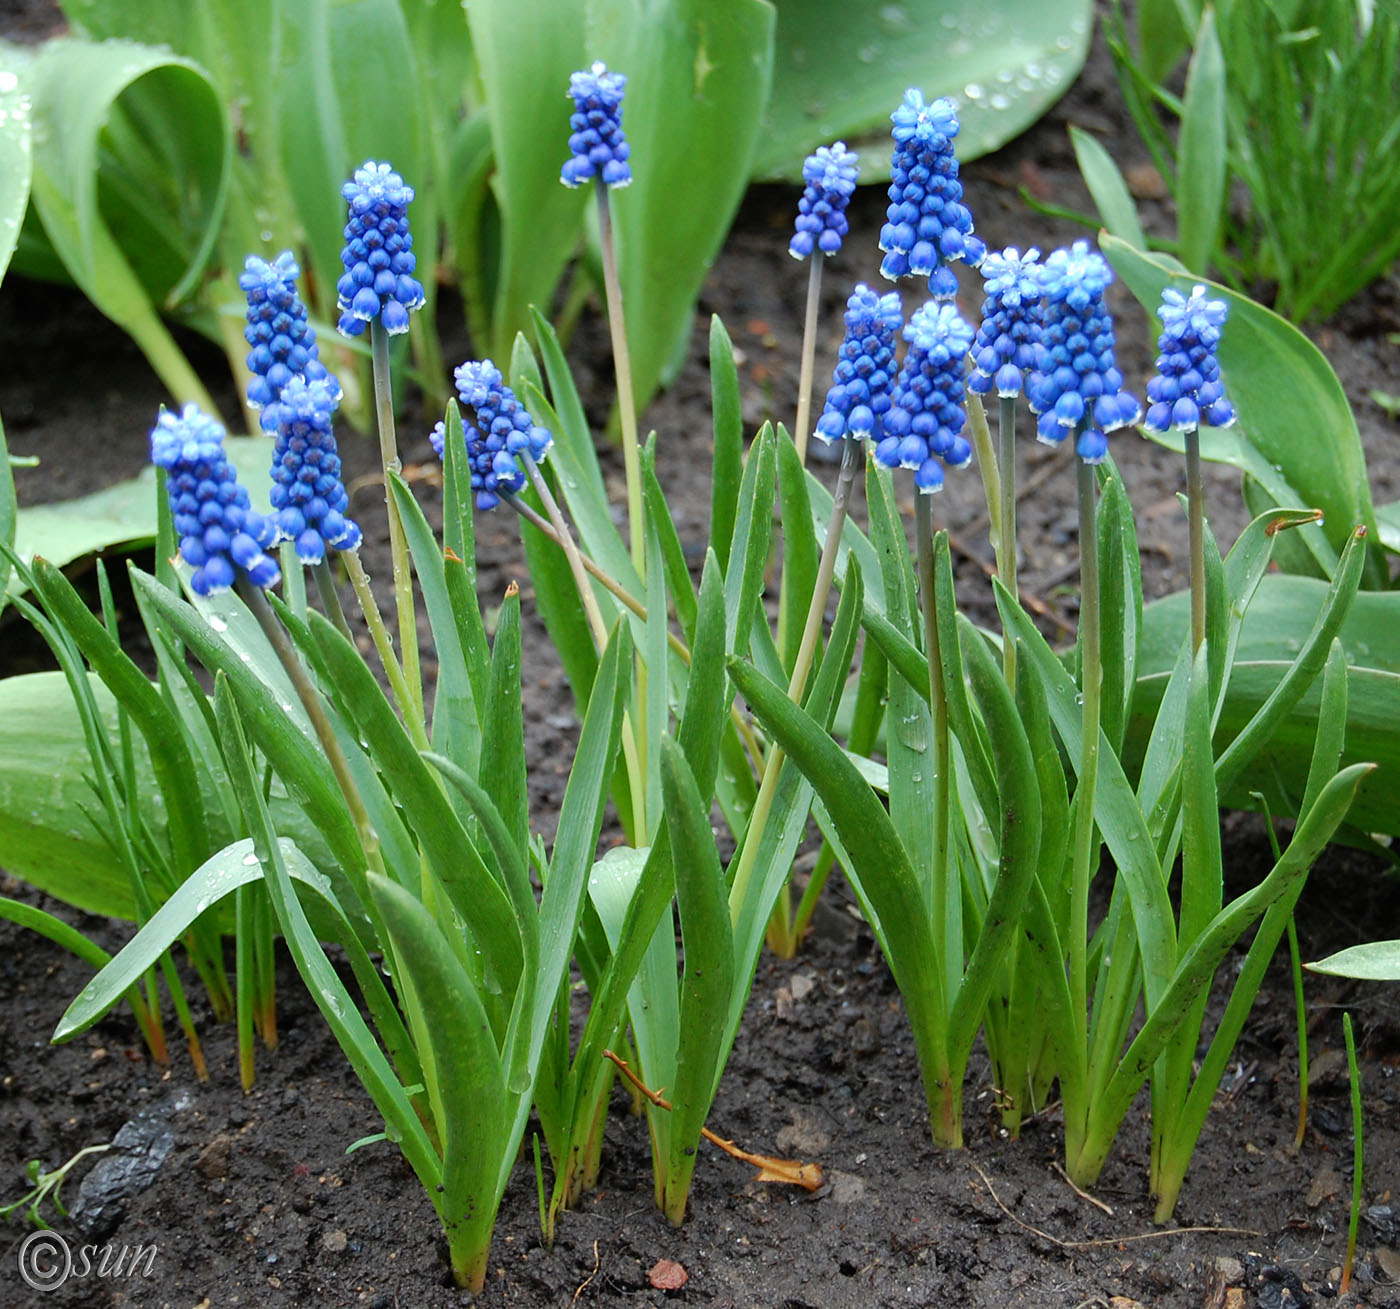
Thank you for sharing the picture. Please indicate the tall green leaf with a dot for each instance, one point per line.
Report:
(1200, 190)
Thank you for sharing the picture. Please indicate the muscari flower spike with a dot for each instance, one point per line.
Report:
(497, 428)
(1187, 390)
(927, 226)
(859, 396)
(378, 256)
(307, 492)
(218, 530)
(830, 177)
(1004, 350)
(1077, 383)
(598, 147)
(284, 346)
(925, 421)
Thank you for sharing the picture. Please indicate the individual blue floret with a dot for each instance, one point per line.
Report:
(1004, 351)
(1187, 391)
(596, 143)
(497, 429)
(927, 226)
(925, 421)
(309, 498)
(378, 256)
(830, 177)
(859, 396)
(1076, 383)
(219, 532)
(284, 346)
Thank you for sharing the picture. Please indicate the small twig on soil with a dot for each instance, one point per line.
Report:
(1081, 1192)
(583, 1285)
(1105, 1240)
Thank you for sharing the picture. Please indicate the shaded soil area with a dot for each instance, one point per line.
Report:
(257, 1203)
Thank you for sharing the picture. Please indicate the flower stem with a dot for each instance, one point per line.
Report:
(384, 644)
(986, 464)
(809, 355)
(938, 702)
(1084, 847)
(330, 598)
(1195, 515)
(1006, 530)
(622, 366)
(398, 544)
(565, 539)
(773, 763)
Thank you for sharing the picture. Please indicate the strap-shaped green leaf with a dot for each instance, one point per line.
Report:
(729, 440)
(1200, 191)
(503, 725)
(1120, 582)
(748, 551)
(659, 520)
(1110, 191)
(801, 550)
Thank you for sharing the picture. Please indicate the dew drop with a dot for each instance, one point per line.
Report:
(218, 624)
(974, 91)
(8, 81)
(1000, 101)
(250, 861)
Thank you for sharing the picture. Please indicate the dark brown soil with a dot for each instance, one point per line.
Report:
(257, 1202)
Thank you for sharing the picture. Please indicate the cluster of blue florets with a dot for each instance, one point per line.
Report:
(927, 226)
(1187, 390)
(309, 498)
(1004, 350)
(830, 177)
(497, 429)
(1077, 384)
(597, 145)
(859, 396)
(378, 256)
(925, 421)
(218, 530)
(284, 346)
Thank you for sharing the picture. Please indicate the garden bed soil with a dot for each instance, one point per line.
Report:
(257, 1202)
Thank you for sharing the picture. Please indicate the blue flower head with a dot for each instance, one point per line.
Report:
(497, 428)
(927, 416)
(218, 530)
(378, 256)
(1004, 350)
(927, 226)
(1077, 383)
(596, 143)
(1187, 390)
(859, 396)
(307, 492)
(284, 346)
(830, 175)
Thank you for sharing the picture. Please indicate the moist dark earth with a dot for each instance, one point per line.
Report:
(257, 1202)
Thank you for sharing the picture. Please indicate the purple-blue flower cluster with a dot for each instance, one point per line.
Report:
(925, 421)
(284, 346)
(927, 226)
(378, 255)
(218, 530)
(1004, 350)
(497, 428)
(1077, 384)
(830, 177)
(859, 396)
(307, 492)
(597, 145)
(1187, 390)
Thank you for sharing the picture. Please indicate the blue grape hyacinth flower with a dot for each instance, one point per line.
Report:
(859, 396)
(497, 429)
(378, 281)
(1076, 384)
(927, 226)
(309, 498)
(597, 145)
(1004, 350)
(926, 417)
(219, 532)
(830, 177)
(284, 346)
(1187, 391)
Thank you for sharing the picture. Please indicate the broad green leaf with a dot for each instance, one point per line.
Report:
(1377, 961)
(16, 163)
(1291, 406)
(1116, 208)
(841, 66)
(46, 836)
(9, 512)
(1200, 191)
(125, 512)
